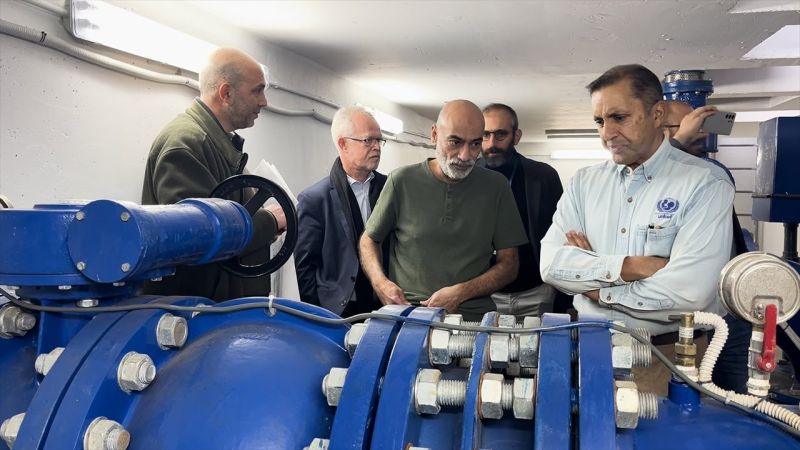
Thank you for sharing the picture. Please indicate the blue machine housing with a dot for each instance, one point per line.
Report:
(776, 197)
(251, 378)
(690, 86)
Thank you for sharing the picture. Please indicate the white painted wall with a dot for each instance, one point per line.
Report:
(69, 129)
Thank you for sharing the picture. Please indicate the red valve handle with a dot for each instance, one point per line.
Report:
(766, 362)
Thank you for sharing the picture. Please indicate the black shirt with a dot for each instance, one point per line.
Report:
(528, 276)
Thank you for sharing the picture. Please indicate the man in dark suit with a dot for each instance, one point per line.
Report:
(331, 216)
(537, 188)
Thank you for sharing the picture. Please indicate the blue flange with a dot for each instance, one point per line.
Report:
(553, 390)
(352, 426)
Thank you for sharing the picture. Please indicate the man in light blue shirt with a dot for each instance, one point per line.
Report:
(643, 237)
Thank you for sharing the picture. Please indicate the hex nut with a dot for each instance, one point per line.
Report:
(619, 339)
(318, 444)
(491, 396)
(454, 319)
(106, 434)
(626, 404)
(15, 322)
(529, 344)
(353, 337)
(425, 391)
(9, 429)
(622, 358)
(46, 361)
(686, 349)
(438, 347)
(332, 385)
(524, 391)
(171, 331)
(135, 372)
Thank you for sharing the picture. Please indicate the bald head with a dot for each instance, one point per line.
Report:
(458, 135)
(232, 86)
(676, 111)
(462, 112)
(225, 65)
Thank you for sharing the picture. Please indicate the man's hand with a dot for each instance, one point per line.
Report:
(280, 217)
(390, 293)
(636, 268)
(447, 297)
(593, 295)
(578, 239)
(689, 131)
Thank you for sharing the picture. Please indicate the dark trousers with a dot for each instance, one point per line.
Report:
(730, 372)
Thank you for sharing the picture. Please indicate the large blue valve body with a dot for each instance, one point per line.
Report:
(253, 378)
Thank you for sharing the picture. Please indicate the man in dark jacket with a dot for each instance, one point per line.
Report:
(198, 150)
(332, 214)
(537, 188)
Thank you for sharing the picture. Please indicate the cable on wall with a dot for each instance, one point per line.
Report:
(55, 43)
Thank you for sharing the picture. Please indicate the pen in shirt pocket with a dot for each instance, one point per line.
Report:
(654, 227)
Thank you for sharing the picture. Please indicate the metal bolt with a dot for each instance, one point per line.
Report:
(64, 287)
(353, 337)
(80, 215)
(135, 372)
(171, 331)
(45, 361)
(156, 279)
(14, 321)
(87, 303)
(81, 265)
(106, 434)
(529, 344)
(125, 216)
(125, 267)
(9, 429)
(318, 444)
(332, 385)
(630, 405)
(431, 392)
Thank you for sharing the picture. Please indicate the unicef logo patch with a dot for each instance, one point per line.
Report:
(668, 205)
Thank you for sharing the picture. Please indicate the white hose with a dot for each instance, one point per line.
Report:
(707, 367)
(716, 344)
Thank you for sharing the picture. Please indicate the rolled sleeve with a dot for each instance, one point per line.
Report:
(575, 271)
(702, 247)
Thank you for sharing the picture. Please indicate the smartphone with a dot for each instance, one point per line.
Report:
(721, 122)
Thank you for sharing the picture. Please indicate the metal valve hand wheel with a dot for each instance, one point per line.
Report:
(265, 190)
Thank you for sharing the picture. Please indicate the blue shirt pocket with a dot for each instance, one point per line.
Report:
(659, 241)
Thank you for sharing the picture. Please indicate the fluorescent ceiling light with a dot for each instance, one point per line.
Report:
(387, 122)
(785, 43)
(102, 23)
(580, 154)
(756, 6)
(760, 116)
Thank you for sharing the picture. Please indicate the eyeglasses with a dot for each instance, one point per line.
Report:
(499, 135)
(369, 142)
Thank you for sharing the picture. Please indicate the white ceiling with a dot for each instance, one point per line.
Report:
(537, 56)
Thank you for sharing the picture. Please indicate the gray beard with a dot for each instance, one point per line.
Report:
(450, 172)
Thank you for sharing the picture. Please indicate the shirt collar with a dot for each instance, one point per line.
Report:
(353, 181)
(650, 168)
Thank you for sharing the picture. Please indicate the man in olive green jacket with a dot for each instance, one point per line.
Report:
(198, 150)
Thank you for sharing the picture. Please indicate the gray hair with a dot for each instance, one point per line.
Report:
(342, 124)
